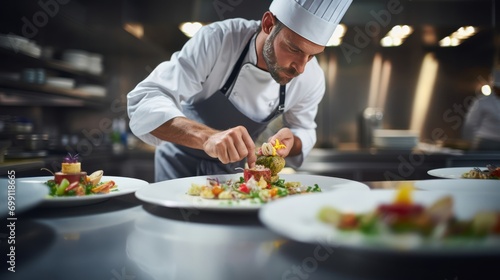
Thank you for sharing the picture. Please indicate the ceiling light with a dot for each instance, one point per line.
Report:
(135, 29)
(190, 28)
(486, 90)
(396, 36)
(458, 36)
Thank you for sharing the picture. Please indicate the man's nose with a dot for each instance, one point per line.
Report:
(300, 64)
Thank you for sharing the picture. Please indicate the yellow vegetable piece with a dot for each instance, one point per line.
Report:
(403, 195)
(278, 145)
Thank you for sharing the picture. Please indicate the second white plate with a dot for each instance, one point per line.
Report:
(172, 193)
(125, 186)
(302, 224)
(451, 172)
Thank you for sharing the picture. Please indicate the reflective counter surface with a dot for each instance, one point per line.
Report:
(124, 238)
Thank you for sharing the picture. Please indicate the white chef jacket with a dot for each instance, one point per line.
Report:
(483, 119)
(200, 69)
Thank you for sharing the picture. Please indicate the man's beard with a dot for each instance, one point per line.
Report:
(272, 65)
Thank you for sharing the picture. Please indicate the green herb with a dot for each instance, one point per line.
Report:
(280, 183)
(88, 188)
(282, 192)
(316, 188)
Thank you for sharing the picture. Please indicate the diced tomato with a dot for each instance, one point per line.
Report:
(257, 174)
(495, 173)
(400, 209)
(244, 188)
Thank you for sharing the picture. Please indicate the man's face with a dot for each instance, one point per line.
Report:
(286, 54)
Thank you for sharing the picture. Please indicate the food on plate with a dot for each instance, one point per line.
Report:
(268, 157)
(491, 172)
(249, 188)
(403, 216)
(71, 181)
(260, 183)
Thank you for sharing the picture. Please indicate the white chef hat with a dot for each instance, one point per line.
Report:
(314, 20)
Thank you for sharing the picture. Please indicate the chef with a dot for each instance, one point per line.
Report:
(482, 120)
(205, 107)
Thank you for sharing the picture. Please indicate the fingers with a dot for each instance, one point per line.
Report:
(285, 137)
(231, 145)
(251, 155)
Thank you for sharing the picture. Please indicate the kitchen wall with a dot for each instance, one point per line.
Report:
(353, 70)
(459, 75)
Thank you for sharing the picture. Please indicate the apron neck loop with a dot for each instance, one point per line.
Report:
(236, 70)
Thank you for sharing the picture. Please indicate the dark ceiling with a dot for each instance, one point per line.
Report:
(431, 19)
(434, 19)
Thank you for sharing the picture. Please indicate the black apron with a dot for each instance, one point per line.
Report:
(176, 161)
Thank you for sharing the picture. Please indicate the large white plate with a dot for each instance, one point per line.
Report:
(459, 185)
(125, 186)
(301, 223)
(451, 172)
(172, 193)
(25, 196)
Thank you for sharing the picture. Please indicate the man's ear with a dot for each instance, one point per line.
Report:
(267, 22)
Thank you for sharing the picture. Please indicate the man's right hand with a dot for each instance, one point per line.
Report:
(231, 145)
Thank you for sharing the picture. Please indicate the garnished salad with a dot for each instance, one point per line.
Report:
(403, 216)
(261, 183)
(71, 181)
(491, 172)
(258, 189)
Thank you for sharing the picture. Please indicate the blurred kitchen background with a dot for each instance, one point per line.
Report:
(400, 77)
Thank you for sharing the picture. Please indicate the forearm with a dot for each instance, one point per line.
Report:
(183, 131)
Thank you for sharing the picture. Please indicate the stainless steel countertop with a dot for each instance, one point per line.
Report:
(124, 238)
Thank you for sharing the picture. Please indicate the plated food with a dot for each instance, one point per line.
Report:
(491, 172)
(261, 183)
(465, 173)
(173, 193)
(405, 217)
(259, 190)
(469, 226)
(126, 185)
(72, 181)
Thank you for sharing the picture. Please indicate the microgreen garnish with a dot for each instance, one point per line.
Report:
(71, 159)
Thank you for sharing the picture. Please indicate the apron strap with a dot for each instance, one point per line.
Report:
(281, 106)
(236, 70)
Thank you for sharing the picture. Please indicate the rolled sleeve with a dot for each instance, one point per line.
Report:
(158, 98)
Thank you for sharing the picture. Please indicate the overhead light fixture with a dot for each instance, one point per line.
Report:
(486, 90)
(190, 28)
(136, 29)
(457, 37)
(396, 36)
(337, 36)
